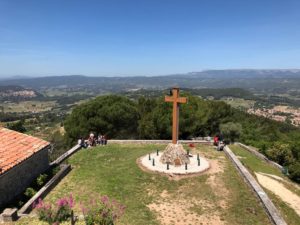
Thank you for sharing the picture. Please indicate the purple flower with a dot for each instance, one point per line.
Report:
(61, 202)
(103, 210)
(104, 199)
(83, 209)
(71, 201)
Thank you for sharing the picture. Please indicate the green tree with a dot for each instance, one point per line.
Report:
(17, 126)
(294, 171)
(112, 115)
(59, 145)
(281, 153)
(146, 127)
(231, 130)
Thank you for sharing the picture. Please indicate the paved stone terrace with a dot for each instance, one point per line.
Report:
(192, 167)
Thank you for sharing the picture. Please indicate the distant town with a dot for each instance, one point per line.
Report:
(279, 113)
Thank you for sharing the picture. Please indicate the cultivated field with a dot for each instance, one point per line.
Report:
(239, 103)
(28, 106)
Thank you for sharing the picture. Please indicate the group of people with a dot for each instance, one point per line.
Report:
(219, 142)
(93, 140)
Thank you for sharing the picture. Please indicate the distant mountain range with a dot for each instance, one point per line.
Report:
(250, 79)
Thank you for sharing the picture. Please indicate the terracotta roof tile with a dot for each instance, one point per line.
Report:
(16, 147)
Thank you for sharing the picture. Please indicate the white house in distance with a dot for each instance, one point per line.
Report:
(22, 159)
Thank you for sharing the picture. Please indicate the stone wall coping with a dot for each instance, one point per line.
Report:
(67, 154)
(270, 208)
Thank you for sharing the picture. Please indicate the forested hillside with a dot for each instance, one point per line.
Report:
(150, 118)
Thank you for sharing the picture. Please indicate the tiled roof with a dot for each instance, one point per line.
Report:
(16, 147)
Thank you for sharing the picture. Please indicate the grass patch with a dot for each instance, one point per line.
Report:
(255, 164)
(112, 170)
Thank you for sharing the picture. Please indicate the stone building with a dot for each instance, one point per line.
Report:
(22, 159)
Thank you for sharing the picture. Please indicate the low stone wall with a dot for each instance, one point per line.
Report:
(64, 170)
(271, 210)
(14, 181)
(259, 155)
(66, 155)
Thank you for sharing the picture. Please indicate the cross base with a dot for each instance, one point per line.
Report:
(174, 154)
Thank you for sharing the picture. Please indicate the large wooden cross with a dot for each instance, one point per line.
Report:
(176, 100)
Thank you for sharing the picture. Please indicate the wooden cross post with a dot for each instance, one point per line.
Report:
(176, 100)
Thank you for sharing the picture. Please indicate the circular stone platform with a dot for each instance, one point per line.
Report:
(192, 167)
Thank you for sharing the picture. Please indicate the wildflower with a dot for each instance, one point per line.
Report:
(104, 211)
(104, 199)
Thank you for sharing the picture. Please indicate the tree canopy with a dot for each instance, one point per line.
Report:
(115, 116)
(151, 118)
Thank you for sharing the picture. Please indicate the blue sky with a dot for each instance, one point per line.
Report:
(146, 37)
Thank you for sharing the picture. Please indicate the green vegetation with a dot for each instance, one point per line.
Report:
(17, 126)
(240, 103)
(255, 164)
(287, 154)
(150, 118)
(113, 115)
(59, 144)
(112, 171)
(231, 131)
(146, 118)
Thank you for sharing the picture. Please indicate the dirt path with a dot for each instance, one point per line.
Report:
(280, 190)
(178, 209)
(177, 212)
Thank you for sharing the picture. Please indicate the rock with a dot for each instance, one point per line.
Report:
(175, 155)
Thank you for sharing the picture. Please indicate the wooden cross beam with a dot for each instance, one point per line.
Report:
(176, 100)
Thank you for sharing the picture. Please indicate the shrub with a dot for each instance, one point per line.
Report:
(29, 192)
(17, 126)
(41, 179)
(281, 153)
(294, 171)
(102, 211)
(45, 211)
